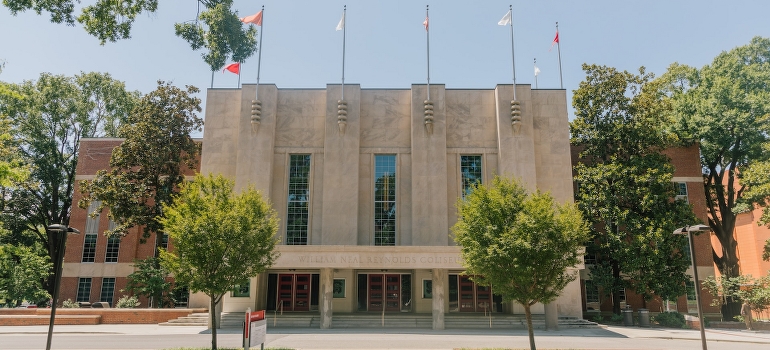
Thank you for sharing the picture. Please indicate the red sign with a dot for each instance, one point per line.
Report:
(257, 315)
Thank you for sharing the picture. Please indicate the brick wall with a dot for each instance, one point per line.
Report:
(23, 317)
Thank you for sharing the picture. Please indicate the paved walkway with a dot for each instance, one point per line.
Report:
(157, 337)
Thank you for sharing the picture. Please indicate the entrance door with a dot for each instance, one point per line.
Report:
(294, 292)
(473, 297)
(467, 297)
(384, 290)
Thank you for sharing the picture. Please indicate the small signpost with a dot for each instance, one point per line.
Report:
(254, 329)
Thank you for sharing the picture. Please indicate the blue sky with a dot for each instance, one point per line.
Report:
(386, 42)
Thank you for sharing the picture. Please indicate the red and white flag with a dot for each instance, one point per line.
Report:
(425, 23)
(555, 40)
(233, 68)
(254, 19)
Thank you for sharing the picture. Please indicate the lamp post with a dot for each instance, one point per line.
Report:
(689, 230)
(61, 231)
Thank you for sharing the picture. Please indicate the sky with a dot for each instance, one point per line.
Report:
(386, 42)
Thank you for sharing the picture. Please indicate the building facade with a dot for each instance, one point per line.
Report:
(365, 188)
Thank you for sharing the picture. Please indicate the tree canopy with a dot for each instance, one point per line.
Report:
(220, 238)
(148, 166)
(223, 35)
(625, 186)
(521, 244)
(221, 32)
(48, 117)
(725, 106)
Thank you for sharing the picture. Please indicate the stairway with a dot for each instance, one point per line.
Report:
(423, 321)
(194, 319)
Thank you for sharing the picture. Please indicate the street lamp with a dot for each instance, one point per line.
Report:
(62, 231)
(689, 230)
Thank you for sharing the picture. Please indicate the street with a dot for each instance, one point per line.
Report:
(157, 337)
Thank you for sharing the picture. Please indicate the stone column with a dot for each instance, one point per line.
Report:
(551, 316)
(439, 300)
(326, 295)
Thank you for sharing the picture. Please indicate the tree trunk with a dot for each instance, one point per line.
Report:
(212, 314)
(530, 331)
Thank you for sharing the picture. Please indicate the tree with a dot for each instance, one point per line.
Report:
(113, 20)
(223, 35)
(725, 106)
(625, 185)
(48, 118)
(220, 238)
(754, 291)
(21, 270)
(756, 178)
(147, 168)
(152, 281)
(521, 244)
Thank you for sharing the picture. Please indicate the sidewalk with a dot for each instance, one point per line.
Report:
(153, 337)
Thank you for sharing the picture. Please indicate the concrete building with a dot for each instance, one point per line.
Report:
(365, 190)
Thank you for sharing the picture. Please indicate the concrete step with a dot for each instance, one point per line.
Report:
(195, 319)
(425, 321)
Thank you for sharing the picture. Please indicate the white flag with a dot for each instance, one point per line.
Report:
(537, 71)
(506, 19)
(341, 25)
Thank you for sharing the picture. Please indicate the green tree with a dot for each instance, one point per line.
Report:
(754, 291)
(151, 280)
(220, 238)
(146, 169)
(520, 244)
(223, 35)
(725, 106)
(756, 178)
(48, 118)
(625, 185)
(112, 20)
(21, 270)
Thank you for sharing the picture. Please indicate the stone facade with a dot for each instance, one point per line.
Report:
(341, 245)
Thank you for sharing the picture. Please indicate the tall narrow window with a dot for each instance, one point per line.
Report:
(470, 170)
(385, 199)
(84, 289)
(108, 289)
(681, 191)
(298, 199)
(92, 223)
(113, 246)
(89, 247)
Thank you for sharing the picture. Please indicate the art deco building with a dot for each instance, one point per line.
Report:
(365, 187)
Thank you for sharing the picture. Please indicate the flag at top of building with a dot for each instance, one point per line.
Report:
(425, 23)
(506, 19)
(233, 68)
(341, 25)
(253, 19)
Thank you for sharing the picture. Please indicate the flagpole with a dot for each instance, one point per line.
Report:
(513, 57)
(535, 72)
(212, 79)
(239, 75)
(344, 34)
(259, 55)
(558, 47)
(427, 36)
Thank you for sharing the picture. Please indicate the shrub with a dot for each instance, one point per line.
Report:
(671, 319)
(598, 318)
(69, 304)
(616, 318)
(127, 302)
